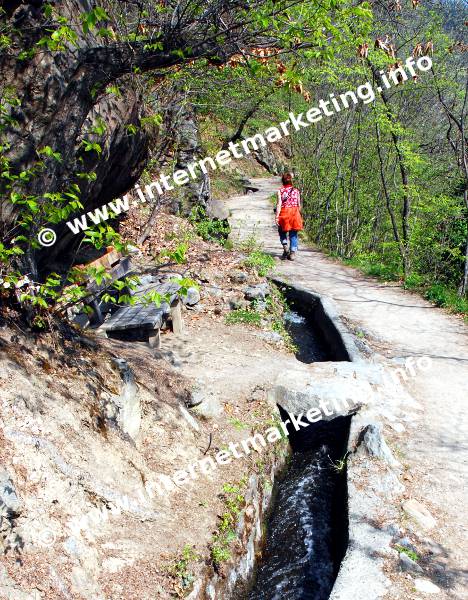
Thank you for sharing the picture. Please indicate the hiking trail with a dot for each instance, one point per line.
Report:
(394, 324)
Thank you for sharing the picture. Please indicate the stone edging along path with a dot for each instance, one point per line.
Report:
(425, 420)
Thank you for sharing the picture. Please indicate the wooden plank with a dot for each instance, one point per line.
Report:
(148, 316)
(120, 270)
(161, 288)
(139, 315)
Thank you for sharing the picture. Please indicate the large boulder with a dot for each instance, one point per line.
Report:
(330, 390)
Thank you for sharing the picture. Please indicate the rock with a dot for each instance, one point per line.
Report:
(146, 280)
(133, 249)
(398, 427)
(195, 397)
(425, 586)
(394, 530)
(8, 495)
(197, 307)
(323, 389)
(407, 564)
(237, 304)
(268, 160)
(372, 439)
(215, 291)
(10, 509)
(271, 336)
(192, 297)
(84, 583)
(248, 186)
(238, 276)
(419, 514)
(128, 414)
(433, 547)
(257, 292)
(205, 276)
(218, 211)
(171, 277)
(210, 407)
(261, 306)
(194, 594)
(439, 568)
(188, 417)
(406, 543)
(390, 485)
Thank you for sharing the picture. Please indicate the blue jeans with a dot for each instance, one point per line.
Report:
(293, 241)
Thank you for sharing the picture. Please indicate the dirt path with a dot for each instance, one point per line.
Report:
(396, 324)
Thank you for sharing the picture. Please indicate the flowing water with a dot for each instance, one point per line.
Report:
(307, 532)
(310, 347)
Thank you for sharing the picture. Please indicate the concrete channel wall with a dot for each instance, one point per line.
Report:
(346, 376)
(361, 573)
(323, 315)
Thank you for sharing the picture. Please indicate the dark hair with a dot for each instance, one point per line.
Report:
(286, 178)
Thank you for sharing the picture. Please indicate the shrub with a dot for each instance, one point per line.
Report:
(446, 297)
(437, 293)
(414, 281)
(211, 230)
(219, 553)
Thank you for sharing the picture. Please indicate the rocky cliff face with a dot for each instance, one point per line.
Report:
(78, 455)
(68, 100)
(60, 103)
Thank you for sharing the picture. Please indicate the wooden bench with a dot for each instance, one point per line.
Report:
(148, 319)
(117, 266)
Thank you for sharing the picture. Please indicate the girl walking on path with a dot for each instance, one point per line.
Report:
(288, 216)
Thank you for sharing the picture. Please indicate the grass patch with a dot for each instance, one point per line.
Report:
(226, 183)
(238, 424)
(210, 230)
(414, 282)
(234, 501)
(273, 315)
(436, 292)
(368, 266)
(409, 553)
(245, 317)
(180, 568)
(219, 553)
(260, 262)
(439, 294)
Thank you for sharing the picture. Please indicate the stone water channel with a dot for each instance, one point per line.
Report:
(307, 530)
